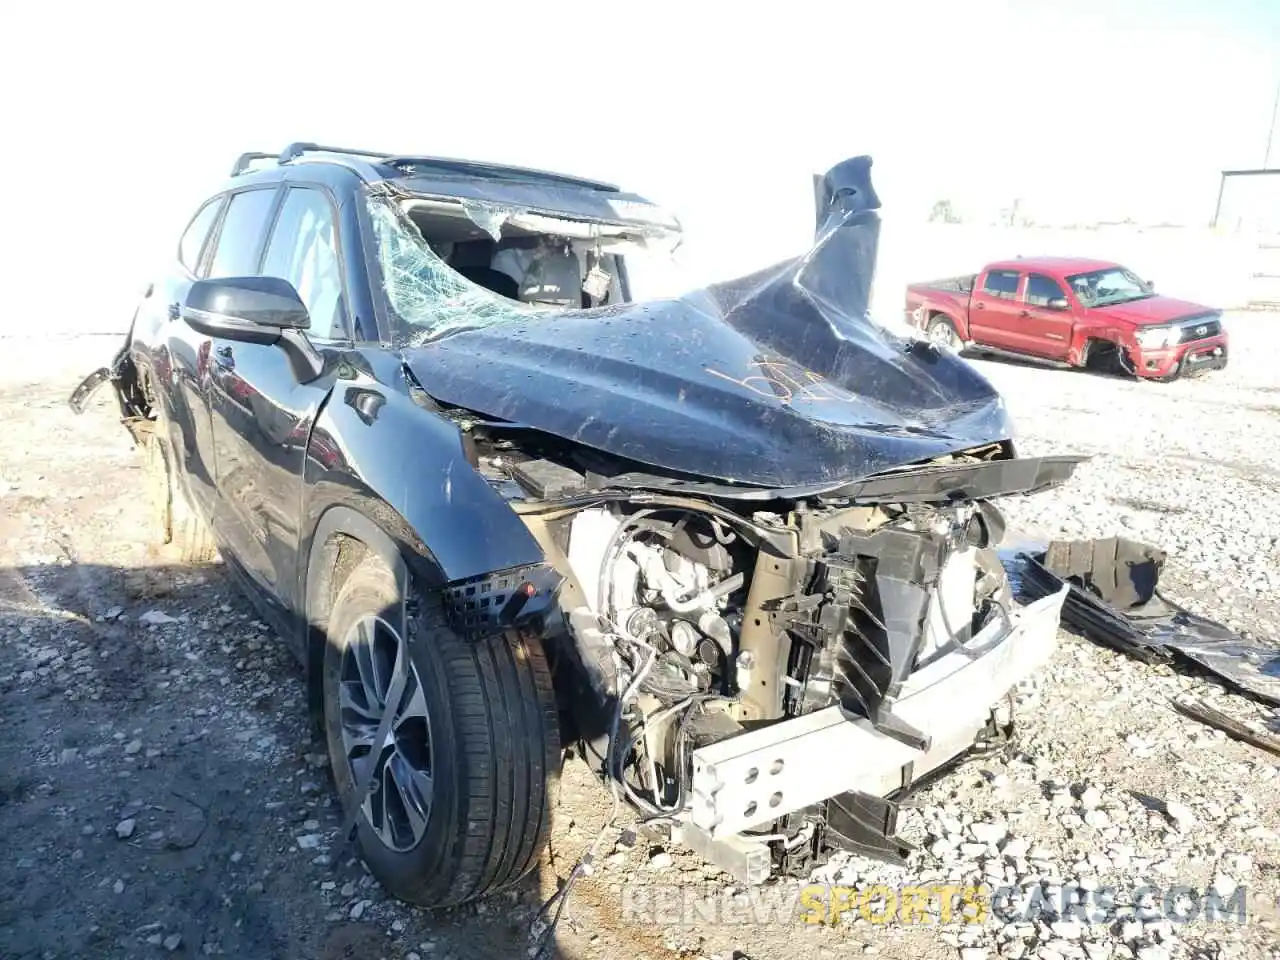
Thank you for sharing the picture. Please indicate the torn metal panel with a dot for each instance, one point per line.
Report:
(499, 221)
(122, 376)
(1115, 600)
(80, 397)
(929, 483)
(778, 379)
(568, 201)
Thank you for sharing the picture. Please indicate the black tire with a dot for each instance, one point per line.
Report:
(942, 332)
(1107, 357)
(492, 747)
(172, 517)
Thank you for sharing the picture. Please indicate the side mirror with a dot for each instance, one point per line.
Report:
(1059, 303)
(249, 309)
(261, 310)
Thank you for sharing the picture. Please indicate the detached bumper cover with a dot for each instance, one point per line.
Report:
(753, 778)
(1115, 600)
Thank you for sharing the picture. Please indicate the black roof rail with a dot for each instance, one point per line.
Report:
(443, 164)
(243, 161)
(294, 150)
(450, 165)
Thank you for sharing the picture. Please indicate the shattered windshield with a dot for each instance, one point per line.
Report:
(442, 277)
(423, 290)
(1103, 288)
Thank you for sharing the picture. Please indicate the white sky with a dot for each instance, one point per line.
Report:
(120, 117)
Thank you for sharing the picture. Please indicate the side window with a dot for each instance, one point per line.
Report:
(1042, 289)
(1002, 284)
(303, 250)
(193, 238)
(240, 238)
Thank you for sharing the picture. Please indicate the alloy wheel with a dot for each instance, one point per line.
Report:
(398, 804)
(941, 335)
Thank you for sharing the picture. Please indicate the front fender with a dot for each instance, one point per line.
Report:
(375, 451)
(1086, 330)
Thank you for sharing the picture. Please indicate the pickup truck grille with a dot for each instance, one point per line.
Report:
(1200, 329)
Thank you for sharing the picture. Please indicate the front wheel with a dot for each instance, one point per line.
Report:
(1104, 356)
(942, 334)
(460, 801)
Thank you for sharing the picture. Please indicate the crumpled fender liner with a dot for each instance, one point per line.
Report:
(123, 377)
(88, 387)
(518, 598)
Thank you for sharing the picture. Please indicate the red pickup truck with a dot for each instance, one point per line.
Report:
(1076, 312)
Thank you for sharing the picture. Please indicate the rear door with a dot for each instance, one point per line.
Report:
(179, 365)
(1045, 331)
(234, 252)
(994, 307)
(262, 416)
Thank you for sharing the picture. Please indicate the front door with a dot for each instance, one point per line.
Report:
(262, 415)
(1045, 331)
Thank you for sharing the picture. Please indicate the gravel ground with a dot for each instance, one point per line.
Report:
(162, 794)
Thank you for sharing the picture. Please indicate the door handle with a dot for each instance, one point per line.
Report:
(1024, 313)
(980, 305)
(225, 357)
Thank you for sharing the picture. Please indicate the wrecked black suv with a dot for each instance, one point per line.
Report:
(737, 545)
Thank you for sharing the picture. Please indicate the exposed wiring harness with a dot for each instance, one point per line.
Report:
(604, 588)
(655, 808)
(542, 930)
(688, 697)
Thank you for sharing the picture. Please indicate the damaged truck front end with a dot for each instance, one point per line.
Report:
(781, 602)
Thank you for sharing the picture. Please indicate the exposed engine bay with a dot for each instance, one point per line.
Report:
(693, 624)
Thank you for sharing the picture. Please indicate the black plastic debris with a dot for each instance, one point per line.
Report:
(1199, 710)
(1115, 600)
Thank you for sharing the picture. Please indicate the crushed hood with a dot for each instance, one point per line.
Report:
(777, 379)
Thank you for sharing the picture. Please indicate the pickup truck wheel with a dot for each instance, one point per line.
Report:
(460, 802)
(1104, 356)
(1123, 364)
(942, 333)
